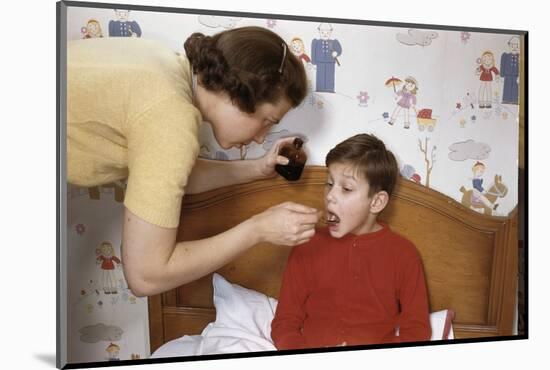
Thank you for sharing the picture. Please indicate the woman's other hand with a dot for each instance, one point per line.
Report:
(286, 224)
(266, 164)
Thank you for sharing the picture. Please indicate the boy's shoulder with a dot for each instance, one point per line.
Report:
(401, 245)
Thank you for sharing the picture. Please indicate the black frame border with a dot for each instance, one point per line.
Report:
(61, 189)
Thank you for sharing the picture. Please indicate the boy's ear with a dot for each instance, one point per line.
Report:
(379, 201)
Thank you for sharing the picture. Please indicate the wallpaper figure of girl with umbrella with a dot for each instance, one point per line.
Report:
(407, 96)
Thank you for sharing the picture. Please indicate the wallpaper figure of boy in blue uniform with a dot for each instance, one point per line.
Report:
(122, 27)
(509, 70)
(324, 54)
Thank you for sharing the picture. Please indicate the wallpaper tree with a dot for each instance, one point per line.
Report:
(429, 162)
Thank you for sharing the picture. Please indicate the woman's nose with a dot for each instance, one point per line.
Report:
(260, 137)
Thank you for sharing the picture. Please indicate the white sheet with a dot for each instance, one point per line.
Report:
(214, 340)
(243, 324)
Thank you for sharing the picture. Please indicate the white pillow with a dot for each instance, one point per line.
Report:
(252, 311)
(442, 324)
(241, 308)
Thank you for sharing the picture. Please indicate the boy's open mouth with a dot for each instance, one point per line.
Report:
(332, 218)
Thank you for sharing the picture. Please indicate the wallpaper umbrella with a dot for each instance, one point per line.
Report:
(393, 81)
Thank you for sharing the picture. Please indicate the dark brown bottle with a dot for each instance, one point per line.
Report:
(296, 160)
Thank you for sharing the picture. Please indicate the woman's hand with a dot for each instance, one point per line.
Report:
(266, 164)
(286, 224)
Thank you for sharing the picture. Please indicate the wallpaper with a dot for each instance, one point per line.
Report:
(444, 101)
(106, 322)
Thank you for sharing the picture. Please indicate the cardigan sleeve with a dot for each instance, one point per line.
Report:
(162, 148)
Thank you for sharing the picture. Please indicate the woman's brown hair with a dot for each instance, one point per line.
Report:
(371, 159)
(251, 64)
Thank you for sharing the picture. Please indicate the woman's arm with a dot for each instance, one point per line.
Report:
(210, 174)
(153, 262)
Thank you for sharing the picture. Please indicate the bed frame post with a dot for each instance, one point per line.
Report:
(509, 297)
(156, 324)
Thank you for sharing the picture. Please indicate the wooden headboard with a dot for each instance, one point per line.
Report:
(470, 260)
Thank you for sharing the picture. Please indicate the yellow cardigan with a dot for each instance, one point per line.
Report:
(130, 114)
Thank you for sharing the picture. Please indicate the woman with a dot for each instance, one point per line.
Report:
(134, 109)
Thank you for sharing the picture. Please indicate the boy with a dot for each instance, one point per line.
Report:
(355, 282)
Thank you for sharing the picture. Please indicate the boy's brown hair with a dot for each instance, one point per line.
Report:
(253, 65)
(371, 159)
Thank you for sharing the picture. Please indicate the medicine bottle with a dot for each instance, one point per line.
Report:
(296, 160)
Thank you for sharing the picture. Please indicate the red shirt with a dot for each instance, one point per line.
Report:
(357, 289)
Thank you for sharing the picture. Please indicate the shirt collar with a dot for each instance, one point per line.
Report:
(369, 236)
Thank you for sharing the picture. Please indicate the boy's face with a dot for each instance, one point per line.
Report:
(347, 201)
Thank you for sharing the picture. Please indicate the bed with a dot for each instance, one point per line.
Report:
(470, 260)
